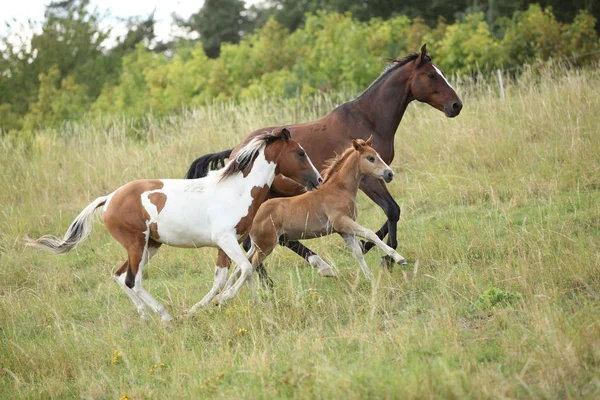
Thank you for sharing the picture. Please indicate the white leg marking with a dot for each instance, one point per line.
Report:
(235, 275)
(356, 251)
(365, 233)
(143, 294)
(219, 283)
(137, 302)
(231, 247)
(317, 262)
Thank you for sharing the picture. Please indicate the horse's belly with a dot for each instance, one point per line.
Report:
(181, 230)
(309, 227)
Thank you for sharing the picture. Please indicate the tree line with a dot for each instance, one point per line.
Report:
(67, 72)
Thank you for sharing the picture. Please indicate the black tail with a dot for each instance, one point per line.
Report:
(202, 165)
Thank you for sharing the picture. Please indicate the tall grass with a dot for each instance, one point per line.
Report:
(500, 224)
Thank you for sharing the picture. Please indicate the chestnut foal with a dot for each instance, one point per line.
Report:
(215, 211)
(331, 209)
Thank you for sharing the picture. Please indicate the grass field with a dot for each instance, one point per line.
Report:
(501, 298)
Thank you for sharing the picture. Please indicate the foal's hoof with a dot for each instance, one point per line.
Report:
(401, 261)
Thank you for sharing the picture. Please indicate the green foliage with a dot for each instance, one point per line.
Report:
(494, 297)
(58, 100)
(468, 45)
(331, 51)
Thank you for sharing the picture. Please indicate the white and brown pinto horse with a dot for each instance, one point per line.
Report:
(330, 209)
(215, 211)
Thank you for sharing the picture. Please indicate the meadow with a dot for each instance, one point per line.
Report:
(500, 225)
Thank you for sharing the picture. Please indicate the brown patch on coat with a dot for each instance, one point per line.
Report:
(259, 195)
(223, 261)
(154, 231)
(122, 268)
(125, 219)
(158, 199)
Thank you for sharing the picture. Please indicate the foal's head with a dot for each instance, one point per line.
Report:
(429, 85)
(370, 162)
(291, 159)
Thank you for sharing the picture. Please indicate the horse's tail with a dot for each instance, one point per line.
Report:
(80, 228)
(202, 165)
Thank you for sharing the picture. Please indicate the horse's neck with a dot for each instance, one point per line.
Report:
(384, 104)
(348, 176)
(262, 172)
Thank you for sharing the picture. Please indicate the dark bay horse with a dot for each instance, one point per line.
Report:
(376, 112)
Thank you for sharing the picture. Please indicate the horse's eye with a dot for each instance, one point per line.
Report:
(431, 75)
(371, 159)
(301, 154)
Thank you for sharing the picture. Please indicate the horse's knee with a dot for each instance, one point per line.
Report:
(393, 212)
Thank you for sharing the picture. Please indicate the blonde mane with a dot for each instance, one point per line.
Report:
(333, 165)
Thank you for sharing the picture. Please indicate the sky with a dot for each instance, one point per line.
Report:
(22, 10)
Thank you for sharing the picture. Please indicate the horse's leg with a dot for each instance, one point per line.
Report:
(141, 258)
(120, 279)
(378, 192)
(230, 246)
(356, 251)
(120, 275)
(348, 225)
(221, 269)
(313, 258)
(266, 281)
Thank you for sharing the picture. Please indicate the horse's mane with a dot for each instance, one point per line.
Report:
(246, 155)
(395, 64)
(333, 165)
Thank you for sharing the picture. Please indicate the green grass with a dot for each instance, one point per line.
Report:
(501, 297)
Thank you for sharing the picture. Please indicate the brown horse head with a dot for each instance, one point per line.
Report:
(370, 162)
(291, 159)
(428, 85)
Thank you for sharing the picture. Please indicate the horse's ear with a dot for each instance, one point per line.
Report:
(285, 134)
(369, 141)
(358, 144)
(421, 59)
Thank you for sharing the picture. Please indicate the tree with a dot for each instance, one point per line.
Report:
(216, 22)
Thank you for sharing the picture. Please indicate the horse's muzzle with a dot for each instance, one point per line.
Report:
(314, 184)
(452, 110)
(388, 175)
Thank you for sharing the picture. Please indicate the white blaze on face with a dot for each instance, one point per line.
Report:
(442, 75)
(383, 162)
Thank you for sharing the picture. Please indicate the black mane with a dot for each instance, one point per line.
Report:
(395, 64)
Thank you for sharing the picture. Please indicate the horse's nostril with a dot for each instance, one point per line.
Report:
(320, 180)
(456, 105)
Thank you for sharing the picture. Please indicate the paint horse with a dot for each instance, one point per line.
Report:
(331, 209)
(376, 112)
(215, 211)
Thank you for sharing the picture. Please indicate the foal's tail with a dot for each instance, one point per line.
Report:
(77, 232)
(202, 165)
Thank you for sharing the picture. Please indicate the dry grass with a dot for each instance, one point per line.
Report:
(506, 196)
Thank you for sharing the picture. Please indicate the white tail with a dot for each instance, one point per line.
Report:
(80, 228)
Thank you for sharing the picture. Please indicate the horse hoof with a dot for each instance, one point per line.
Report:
(387, 262)
(402, 261)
